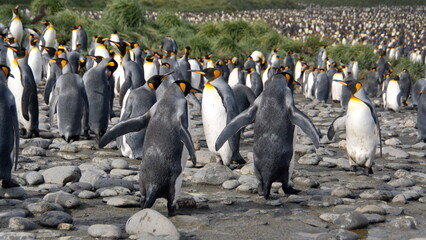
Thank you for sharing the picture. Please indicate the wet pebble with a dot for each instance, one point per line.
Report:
(213, 174)
(375, 218)
(329, 217)
(123, 202)
(376, 195)
(15, 192)
(230, 184)
(338, 234)
(248, 169)
(64, 199)
(34, 178)
(309, 159)
(405, 222)
(306, 182)
(342, 192)
(43, 206)
(402, 182)
(85, 194)
(371, 209)
(119, 164)
(91, 176)
(7, 214)
(152, 222)
(393, 142)
(69, 148)
(34, 151)
(399, 198)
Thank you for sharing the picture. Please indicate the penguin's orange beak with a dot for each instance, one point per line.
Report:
(341, 82)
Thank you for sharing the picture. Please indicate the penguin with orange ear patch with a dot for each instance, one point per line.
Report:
(219, 107)
(275, 116)
(167, 134)
(98, 89)
(362, 128)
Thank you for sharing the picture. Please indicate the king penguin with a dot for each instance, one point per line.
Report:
(34, 60)
(139, 101)
(322, 89)
(16, 28)
(415, 91)
(362, 128)
(9, 130)
(336, 88)
(393, 94)
(167, 133)
(69, 89)
(373, 82)
(24, 89)
(48, 36)
(405, 84)
(98, 92)
(218, 109)
(275, 117)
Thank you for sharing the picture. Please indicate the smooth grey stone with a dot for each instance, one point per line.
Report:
(151, 221)
(62, 174)
(108, 182)
(64, 199)
(15, 192)
(405, 222)
(21, 224)
(34, 178)
(375, 218)
(105, 231)
(213, 174)
(43, 206)
(352, 220)
(376, 195)
(85, 194)
(34, 151)
(230, 184)
(340, 234)
(121, 164)
(54, 218)
(309, 159)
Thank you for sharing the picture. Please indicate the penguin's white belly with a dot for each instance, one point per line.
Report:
(15, 86)
(50, 38)
(298, 71)
(308, 93)
(392, 93)
(214, 121)
(119, 79)
(35, 63)
(17, 30)
(248, 81)
(336, 91)
(355, 71)
(73, 40)
(233, 77)
(149, 70)
(361, 133)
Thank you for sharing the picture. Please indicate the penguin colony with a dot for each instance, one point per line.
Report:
(154, 89)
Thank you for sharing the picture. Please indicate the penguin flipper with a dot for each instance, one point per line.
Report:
(15, 125)
(131, 125)
(48, 89)
(300, 119)
(185, 138)
(243, 119)
(26, 100)
(85, 120)
(338, 122)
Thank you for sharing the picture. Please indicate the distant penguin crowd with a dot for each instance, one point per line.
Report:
(82, 80)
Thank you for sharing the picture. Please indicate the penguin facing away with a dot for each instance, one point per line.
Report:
(405, 84)
(167, 133)
(373, 82)
(362, 128)
(9, 130)
(69, 89)
(273, 139)
(219, 107)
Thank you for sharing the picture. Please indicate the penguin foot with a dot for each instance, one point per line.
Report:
(9, 184)
(23, 132)
(291, 190)
(171, 210)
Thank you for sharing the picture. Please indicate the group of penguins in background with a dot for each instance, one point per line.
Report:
(396, 30)
(154, 90)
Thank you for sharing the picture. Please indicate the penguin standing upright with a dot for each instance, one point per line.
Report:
(35, 61)
(218, 109)
(139, 101)
(253, 80)
(48, 36)
(362, 128)
(184, 66)
(16, 28)
(9, 131)
(274, 116)
(393, 94)
(336, 88)
(98, 93)
(322, 88)
(346, 93)
(236, 75)
(259, 60)
(69, 89)
(167, 133)
(373, 82)
(150, 69)
(405, 84)
(78, 39)
(353, 68)
(24, 88)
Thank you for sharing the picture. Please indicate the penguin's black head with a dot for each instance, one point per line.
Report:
(353, 85)
(51, 51)
(20, 51)
(156, 80)
(97, 59)
(6, 71)
(112, 66)
(209, 73)
(61, 62)
(186, 87)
